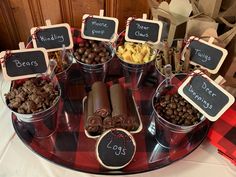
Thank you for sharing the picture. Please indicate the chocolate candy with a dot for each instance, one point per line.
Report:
(32, 97)
(93, 123)
(92, 52)
(108, 123)
(118, 101)
(98, 113)
(177, 110)
(101, 104)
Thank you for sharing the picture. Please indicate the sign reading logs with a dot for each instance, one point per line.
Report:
(205, 95)
(23, 63)
(115, 148)
(99, 27)
(142, 30)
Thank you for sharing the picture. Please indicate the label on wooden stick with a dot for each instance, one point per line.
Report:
(141, 30)
(25, 63)
(206, 55)
(52, 37)
(205, 95)
(99, 28)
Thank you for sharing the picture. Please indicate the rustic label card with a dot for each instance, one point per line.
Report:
(52, 37)
(142, 30)
(115, 148)
(25, 63)
(205, 95)
(99, 28)
(205, 54)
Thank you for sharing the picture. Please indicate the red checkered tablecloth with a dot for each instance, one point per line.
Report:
(223, 134)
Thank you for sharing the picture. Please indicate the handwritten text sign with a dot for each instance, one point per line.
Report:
(205, 95)
(115, 148)
(207, 55)
(99, 28)
(142, 30)
(24, 63)
(52, 37)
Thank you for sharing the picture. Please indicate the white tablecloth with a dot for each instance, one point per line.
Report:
(16, 160)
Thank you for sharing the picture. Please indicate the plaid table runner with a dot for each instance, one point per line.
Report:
(223, 134)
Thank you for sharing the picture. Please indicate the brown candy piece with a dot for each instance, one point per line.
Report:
(101, 104)
(176, 110)
(93, 123)
(31, 97)
(92, 52)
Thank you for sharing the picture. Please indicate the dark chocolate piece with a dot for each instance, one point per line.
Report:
(32, 97)
(108, 123)
(128, 123)
(93, 122)
(133, 115)
(118, 101)
(101, 104)
(118, 121)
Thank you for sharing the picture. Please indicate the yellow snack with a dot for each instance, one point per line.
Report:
(121, 50)
(146, 59)
(135, 53)
(127, 56)
(137, 57)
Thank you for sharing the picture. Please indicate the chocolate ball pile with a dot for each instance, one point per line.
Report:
(177, 110)
(92, 52)
(31, 97)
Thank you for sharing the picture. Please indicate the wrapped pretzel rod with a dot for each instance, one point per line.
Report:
(119, 104)
(166, 53)
(101, 104)
(177, 60)
(180, 45)
(186, 60)
(170, 54)
(158, 62)
(93, 123)
(162, 70)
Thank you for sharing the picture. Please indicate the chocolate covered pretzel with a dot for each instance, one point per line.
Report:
(101, 104)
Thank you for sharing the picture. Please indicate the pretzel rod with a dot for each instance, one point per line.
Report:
(186, 60)
(177, 60)
(101, 104)
(166, 53)
(180, 45)
(93, 122)
(158, 61)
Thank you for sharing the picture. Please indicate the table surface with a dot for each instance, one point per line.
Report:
(16, 160)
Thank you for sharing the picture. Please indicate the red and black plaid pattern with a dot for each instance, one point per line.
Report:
(70, 147)
(223, 134)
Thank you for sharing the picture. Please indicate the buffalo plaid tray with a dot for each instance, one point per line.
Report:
(69, 146)
(223, 134)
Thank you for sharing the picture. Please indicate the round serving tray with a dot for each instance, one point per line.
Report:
(71, 148)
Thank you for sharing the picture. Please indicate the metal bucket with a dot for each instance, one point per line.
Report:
(96, 72)
(170, 135)
(41, 124)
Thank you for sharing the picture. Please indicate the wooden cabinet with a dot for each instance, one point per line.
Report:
(19, 16)
(123, 9)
